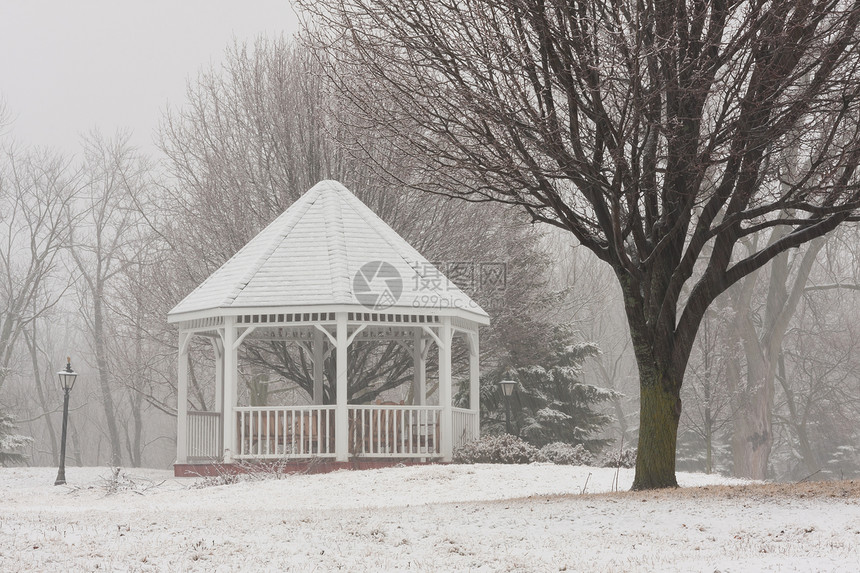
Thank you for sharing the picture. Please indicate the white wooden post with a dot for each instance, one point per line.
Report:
(182, 400)
(218, 346)
(319, 362)
(341, 416)
(231, 356)
(447, 421)
(475, 382)
(419, 367)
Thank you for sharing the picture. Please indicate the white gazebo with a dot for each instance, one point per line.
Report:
(326, 274)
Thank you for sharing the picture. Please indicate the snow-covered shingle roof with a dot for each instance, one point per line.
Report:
(309, 257)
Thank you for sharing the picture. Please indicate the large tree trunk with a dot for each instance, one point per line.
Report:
(659, 401)
(660, 412)
(133, 437)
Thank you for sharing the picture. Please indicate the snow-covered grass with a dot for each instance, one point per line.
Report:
(422, 518)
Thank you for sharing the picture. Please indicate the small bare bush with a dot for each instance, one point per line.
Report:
(119, 481)
(247, 472)
(219, 479)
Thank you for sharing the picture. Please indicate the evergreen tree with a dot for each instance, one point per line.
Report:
(550, 402)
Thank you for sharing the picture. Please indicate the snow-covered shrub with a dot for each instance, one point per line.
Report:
(623, 459)
(496, 449)
(567, 454)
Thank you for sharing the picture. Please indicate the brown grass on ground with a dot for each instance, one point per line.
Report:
(846, 489)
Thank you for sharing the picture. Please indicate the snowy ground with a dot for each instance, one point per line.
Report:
(424, 518)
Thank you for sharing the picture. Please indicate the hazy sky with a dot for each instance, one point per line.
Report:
(69, 66)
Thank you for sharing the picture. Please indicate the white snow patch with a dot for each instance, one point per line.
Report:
(423, 518)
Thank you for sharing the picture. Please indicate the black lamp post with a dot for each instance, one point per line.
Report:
(507, 390)
(67, 382)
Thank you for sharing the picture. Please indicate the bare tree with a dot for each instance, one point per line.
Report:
(140, 359)
(705, 386)
(760, 326)
(817, 399)
(4, 116)
(40, 381)
(646, 129)
(102, 245)
(36, 189)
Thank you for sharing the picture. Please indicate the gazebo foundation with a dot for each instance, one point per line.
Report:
(306, 466)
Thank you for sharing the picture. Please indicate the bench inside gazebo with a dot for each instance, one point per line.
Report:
(326, 276)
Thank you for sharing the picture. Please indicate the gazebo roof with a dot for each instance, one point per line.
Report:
(325, 249)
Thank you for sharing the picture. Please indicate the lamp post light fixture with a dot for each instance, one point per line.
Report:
(507, 390)
(67, 382)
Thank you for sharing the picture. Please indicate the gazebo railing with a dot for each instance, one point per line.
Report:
(375, 431)
(465, 426)
(285, 432)
(394, 431)
(204, 436)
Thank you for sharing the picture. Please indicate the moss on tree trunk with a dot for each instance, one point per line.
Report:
(660, 411)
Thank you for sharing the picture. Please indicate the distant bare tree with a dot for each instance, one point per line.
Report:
(141, 360)
(760, 327)
(4, 116)
(36, 190)
(645, 129)
(817, 400)
(41, 382)
(103, 244)
(709, 410)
